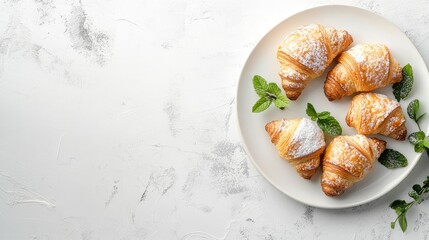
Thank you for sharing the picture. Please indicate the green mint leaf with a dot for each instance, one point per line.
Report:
(408, 80)
(426, 142)
(416, 196)
(325, 121)
(274, 89)
(397, 90)
(413, 108)
(260, 85)
(419, 147)
(262, 104)
(413, 194)
(402, 89)
(330, 125)
(268, 93)
(392, 225)
(392, 159)
(419, 118)
(323, 115)
(403, 222)
(416, 137)
(282, 101)
(311, 112)
(417, 187)
(397, 203)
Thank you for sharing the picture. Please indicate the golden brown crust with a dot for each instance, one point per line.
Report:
(300, 142)
(347, 160)
(371, 113)
(362, 68)
(306, 53)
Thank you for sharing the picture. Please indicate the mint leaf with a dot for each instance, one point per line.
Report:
(311, 112)
(268, 93)
(419, 147)
(392, 159)
(416, 196)
(397, 204)
(325, 121)
(262, 104)
(413, 108)
(426, 142)
(323, 115)
(417, 187)
(281, 101)
(274, 89)
(416, 137)
(403, 222)
(330, 125)
(402, 89)
(260, 85)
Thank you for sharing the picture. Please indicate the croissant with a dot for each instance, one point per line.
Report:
(300, 142)
(306, 53)
(347, 160)
(362, 68)
(372, 113)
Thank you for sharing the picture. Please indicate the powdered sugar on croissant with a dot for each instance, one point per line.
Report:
(300, 142)
(347, 160)
(372, 113)
(362, 68)
(305, 54)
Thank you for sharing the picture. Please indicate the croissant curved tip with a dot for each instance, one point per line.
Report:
(269, 127)
(332, 89)
(400, 133)
(292, 95)
(331, 191)
(307, 174)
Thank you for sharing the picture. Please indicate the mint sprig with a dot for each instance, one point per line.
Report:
(421, 143)
(418, 139)
(401, 207)
(393, 159)
(325, 121)
(402, 89)
(268, 93)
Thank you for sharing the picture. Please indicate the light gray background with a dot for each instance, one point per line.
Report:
(118, 122)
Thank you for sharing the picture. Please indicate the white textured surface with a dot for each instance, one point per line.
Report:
(117, 123)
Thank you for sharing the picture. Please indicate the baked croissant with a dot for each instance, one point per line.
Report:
(306, 53)
(362, 68)
(347, 160)
(372, 113)
(300, 142)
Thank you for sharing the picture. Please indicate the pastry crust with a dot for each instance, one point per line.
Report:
(347, 160)
(306, 53)
(300, 142)
(372, 113)
(362, 68)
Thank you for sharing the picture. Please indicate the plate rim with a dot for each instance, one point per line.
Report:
(380, 194)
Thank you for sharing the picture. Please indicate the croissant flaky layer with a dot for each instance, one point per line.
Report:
(306, 53)
(347, 160)
(300, 142)
(362, 68)
(372, 113)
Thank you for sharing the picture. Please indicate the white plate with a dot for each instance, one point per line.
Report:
(365, 27)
